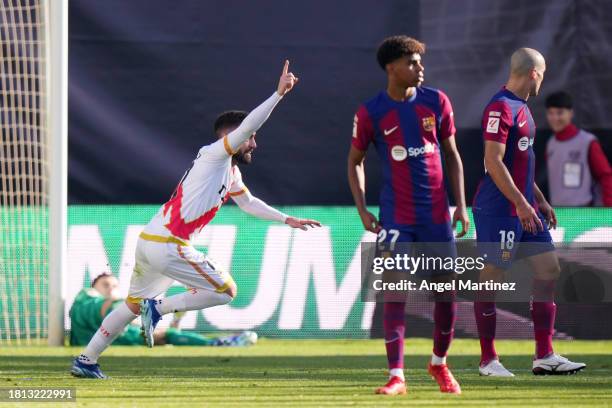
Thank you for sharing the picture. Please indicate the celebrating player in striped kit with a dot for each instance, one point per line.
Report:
(164, 253)
(410, 125)
(509, 210)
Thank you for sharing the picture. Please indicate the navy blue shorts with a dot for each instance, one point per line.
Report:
(503, 240)
(416, 233)
(434, 240)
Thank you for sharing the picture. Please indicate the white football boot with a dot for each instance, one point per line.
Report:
(555, 364)
(494, 369)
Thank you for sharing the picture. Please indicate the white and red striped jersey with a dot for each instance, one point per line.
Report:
(209, 182)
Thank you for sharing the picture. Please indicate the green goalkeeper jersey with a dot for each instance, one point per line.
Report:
(86, 319)
(85, 315)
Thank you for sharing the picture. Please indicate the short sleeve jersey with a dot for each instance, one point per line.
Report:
(507, 119)
(407, 137)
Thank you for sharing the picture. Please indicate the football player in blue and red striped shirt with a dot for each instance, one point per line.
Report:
(410, 126)
(509, 210)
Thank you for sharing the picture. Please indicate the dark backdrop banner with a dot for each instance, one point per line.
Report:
(147, 80)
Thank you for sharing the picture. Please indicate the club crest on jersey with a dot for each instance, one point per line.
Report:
(506, 255)
(429, 123)
(524, 143)
(399, 153)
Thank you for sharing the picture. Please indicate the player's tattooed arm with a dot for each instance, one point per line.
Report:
(356, 179)
(545, 208)
(494, 154)
(454, 167)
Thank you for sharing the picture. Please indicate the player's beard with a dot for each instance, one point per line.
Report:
(244, 157)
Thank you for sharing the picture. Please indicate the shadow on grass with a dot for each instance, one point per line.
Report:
(316, 368)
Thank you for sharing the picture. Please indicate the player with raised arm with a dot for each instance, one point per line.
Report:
(509, 209)
(410, 125)
(164, 253)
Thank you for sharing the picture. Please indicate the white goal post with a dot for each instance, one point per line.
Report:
(33, 170)
(56, 16)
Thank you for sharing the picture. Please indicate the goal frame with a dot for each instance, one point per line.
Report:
(56, 31)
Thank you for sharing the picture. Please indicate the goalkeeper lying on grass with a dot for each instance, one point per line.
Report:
(93, 304)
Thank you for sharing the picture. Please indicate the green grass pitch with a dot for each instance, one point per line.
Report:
(307, 373)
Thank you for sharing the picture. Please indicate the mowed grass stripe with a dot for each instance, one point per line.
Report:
(307, 373)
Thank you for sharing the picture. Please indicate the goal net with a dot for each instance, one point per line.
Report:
(25, 168)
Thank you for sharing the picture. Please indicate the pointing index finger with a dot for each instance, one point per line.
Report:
(286, 67)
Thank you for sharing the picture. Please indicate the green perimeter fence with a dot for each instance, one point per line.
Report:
(290, 283)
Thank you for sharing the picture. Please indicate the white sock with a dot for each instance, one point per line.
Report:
(110, 328)
(193, 299)
(435, 360)
(397, 372)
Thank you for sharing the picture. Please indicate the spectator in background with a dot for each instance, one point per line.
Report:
(579, 173)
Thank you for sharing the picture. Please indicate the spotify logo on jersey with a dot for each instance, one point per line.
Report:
(523, 143)
(399, 153)
(418, 151)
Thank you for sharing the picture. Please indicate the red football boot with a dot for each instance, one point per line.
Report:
(444, 378)
(395, 386)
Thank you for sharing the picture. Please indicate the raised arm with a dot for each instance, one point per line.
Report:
(259, 115)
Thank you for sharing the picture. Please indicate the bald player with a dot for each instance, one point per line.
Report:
(510, 212)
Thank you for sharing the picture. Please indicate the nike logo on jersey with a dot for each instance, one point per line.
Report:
(521, 124)
(389, 131)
